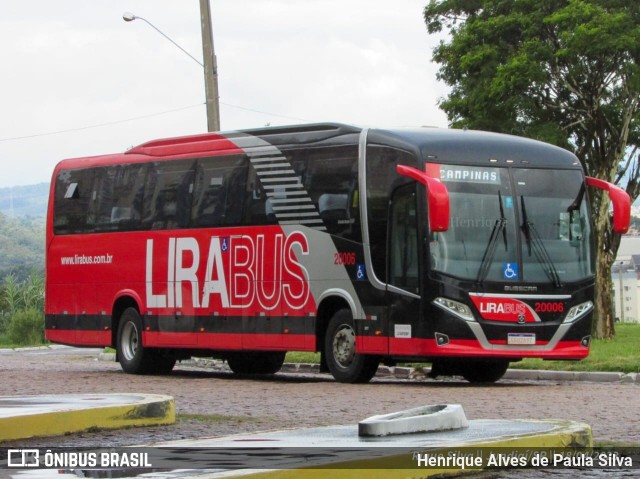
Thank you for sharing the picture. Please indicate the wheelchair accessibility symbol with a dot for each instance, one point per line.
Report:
(361, 273)
(510, 270)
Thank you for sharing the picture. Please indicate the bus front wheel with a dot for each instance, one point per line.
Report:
(345, 364)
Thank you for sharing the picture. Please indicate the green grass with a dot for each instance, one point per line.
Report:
(621, 354)
(298, 357)
(5, 342)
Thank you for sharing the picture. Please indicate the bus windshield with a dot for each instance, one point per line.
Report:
(514, 225)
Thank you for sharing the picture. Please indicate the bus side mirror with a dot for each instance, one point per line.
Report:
(437, 197)
(621, 203)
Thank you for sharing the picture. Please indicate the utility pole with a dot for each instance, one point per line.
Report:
(210, 68)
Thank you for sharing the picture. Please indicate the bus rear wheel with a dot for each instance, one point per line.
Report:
(485, 371)
(134, 358)
(345, 364)
(256, 362)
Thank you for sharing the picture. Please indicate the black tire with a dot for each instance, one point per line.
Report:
(345, 364)
(134, 358)
(162, 362)
(256, 362)
(484, 371)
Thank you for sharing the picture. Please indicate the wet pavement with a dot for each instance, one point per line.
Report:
(24, 417)
(214, 403)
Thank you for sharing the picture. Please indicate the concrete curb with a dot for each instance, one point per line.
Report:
(341, 453)
(35, 348)
(593, 376)
(22, 417)
(422, 374)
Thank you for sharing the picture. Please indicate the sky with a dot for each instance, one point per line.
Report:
(77, 80)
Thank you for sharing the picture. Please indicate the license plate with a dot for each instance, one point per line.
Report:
(521, 338)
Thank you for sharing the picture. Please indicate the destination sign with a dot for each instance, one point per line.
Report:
(464, 174)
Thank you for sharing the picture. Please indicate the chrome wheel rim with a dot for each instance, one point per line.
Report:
(130, 341)
(344, 345)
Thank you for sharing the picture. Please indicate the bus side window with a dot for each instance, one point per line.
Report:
(218, 198)
(126, 213)
(330, 176)
(184, 194)
(72, 201)
(236, 184)
(333, 185)
(102, 198)
(258, 206)
(118, 194)
(168, 195)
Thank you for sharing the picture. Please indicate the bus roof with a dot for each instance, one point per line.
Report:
(278, 136)
(437, 145)
(479, 148)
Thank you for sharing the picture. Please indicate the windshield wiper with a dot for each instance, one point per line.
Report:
(535, 243)
(500, 226)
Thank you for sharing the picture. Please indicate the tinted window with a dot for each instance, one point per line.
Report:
(382, 179)
(73, 198)
(118, 196)
(330, 178)
(403, 244)
(220, 184)
(317, 188)
(124, 197)
(258, 209)
(169, 195)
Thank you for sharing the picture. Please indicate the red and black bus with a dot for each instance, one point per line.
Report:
(465, 249)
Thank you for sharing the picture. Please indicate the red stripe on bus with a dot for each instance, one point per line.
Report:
(473, 348)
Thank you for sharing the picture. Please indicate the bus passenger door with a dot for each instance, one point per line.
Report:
(403, 271)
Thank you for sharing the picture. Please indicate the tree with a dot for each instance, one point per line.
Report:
(21, 246)
(562, 71)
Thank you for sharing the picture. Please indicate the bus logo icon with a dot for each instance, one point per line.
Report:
(23, 457)
(361, 273)
(510, 270)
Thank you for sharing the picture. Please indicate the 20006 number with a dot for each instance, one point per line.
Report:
(346, 259)
(549, 307)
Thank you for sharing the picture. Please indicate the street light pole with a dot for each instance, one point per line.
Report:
(210, 67)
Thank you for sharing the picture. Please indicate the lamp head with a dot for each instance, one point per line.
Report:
(128, 17)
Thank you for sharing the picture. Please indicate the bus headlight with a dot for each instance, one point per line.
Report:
(458, 309)
(578, 311)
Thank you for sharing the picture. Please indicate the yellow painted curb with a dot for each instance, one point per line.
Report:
(565, 434)
(22, 417)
